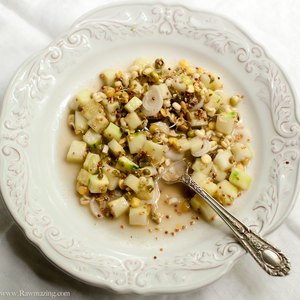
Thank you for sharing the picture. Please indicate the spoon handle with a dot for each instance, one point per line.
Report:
(270, 258)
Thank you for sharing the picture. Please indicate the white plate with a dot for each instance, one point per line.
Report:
(38, 186)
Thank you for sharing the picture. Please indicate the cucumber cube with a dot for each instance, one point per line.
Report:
(226, 192)
(241, 152)
(91, 163)
(166, 94)
(217, 174)
(198, 165)
(92, 138)
(98, 123)
(136, 141)
(81, 125)
(146, 191)
(209, 187)
(225, 122)
(97, 185)
(133, 104)
(211, 80)
(111, 117)
(198, 176)
(133, 120)
(196, 121)
(110, 106)
(108, 77)
(84, 177)
(213, 104)
(222, 160)
(112, 132)
(115, 148)
(125, 165)
(195, 144)
(155, 150)
(82, 98)
(200, 206)
(240, 179)
(77, 151)
(132, 182)
(141, 62)
(90, 109)
(118, 207)
(138, 215)
(112, 175)
(182, 145)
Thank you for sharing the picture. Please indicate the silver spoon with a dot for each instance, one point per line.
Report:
(270, 258)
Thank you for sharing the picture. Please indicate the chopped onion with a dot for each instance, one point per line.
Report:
(173, 154)
(198, 105)
(152, 101)
(166, 129)
(203, 150)
(96, 208)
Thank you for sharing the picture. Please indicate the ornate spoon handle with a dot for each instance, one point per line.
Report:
(270, 258)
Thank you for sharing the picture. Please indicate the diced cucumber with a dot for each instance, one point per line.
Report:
(112, 131)
(198, 176)
(145, 192)
(81, 125)
(92, 138)
(118, 207)
(182, 145)
(209, 187)
(217, 174)
(240, 179)
(76, 151)
(97, 185)
(90, 109)
(108, 77)
(196, 121)
(225, 122)
(98, 123)
(213, 104)
(136, 141)
(155, 150)
(112, 175)
(133, 120)
(222, 160)
(125, 165)
(141, 62)
(115, 148)
(226, 192)
(133, 104)
(138, 215)
(112, 117)
(241, 152)
(132, 182)
(110, 106)
(200, 206)
(211, 80)
(195, 144)
(198, 165)
(91, 163)
(82, 98)
(84, 177)
(166, 94)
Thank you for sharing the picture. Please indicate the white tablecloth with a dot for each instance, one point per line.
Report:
(27, 26)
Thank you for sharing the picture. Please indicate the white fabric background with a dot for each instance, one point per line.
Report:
(27, 26)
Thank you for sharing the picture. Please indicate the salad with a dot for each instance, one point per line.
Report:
(143, 120)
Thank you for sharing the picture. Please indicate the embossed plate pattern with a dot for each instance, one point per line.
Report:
(39, 195)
